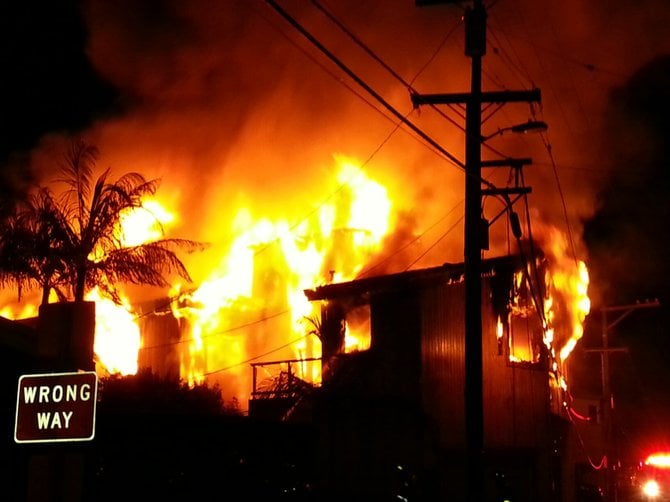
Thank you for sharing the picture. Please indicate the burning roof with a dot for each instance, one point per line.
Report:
(448, 272)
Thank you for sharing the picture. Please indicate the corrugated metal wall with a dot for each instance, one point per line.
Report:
(443, 361)
(402, 402)
(516, 399)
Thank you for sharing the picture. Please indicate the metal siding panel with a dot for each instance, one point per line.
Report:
(395, 332)
(443, 370)
(515, 396)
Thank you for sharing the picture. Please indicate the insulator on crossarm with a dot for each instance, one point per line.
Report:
(515, 224)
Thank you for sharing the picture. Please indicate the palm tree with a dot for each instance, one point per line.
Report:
(28, 256)
(72, 243)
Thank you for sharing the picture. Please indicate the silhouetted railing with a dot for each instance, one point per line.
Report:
(285, 379)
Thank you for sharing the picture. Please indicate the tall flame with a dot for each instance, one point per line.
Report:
(252, 305)
(567, 303)
(117, 335)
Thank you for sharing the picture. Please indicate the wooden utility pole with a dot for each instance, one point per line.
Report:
(608, 414)
(475, 49)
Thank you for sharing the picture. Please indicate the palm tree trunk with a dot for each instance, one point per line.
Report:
(80, 287)
(46, 289)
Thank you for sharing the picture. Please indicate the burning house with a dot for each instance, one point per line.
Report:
(374, 364)
(390, 402)
(237, 123)
(385, 394)
(396, 410)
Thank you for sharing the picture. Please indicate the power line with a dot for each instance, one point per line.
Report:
(223, 331)
(396, 75)
(403, 118)
(387, 67)
(332, 57)
(562, 197)
(246, 361)
(293, 22)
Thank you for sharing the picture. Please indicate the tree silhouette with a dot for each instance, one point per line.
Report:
(146, 392)
(28, 256)
(73, 242)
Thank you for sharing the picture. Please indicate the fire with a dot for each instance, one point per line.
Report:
(567, 302)
(357, 330)
(117, 335)
(252, 305)
(562, 305)
(356, 340)
(144, 224)
(21, 312)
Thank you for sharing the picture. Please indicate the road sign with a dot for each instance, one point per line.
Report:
(54, 407)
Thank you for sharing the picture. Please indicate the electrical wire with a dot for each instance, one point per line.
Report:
(255, 358)
(562, 197)
(223, 331)
(367, 271)
(373, 55)
(171, 300)
(293, 22)
(360, 82)
(429, 248)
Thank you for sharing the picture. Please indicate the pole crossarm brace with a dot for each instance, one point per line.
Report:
(506, 191)
(627, 310)
(507, 162)
(533, 95)
(509, 204)
(607, 350)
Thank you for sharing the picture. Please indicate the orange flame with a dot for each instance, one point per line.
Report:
(117, 335)
(567, 303)
(252, 305)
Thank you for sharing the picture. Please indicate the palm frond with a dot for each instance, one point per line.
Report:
(147, 263)
(76, 169)
(72, 242)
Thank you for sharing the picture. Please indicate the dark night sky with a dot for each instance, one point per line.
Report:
(605, 77)
(47, 85)
(628, 244)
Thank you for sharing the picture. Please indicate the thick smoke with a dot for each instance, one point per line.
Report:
(230, 106)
